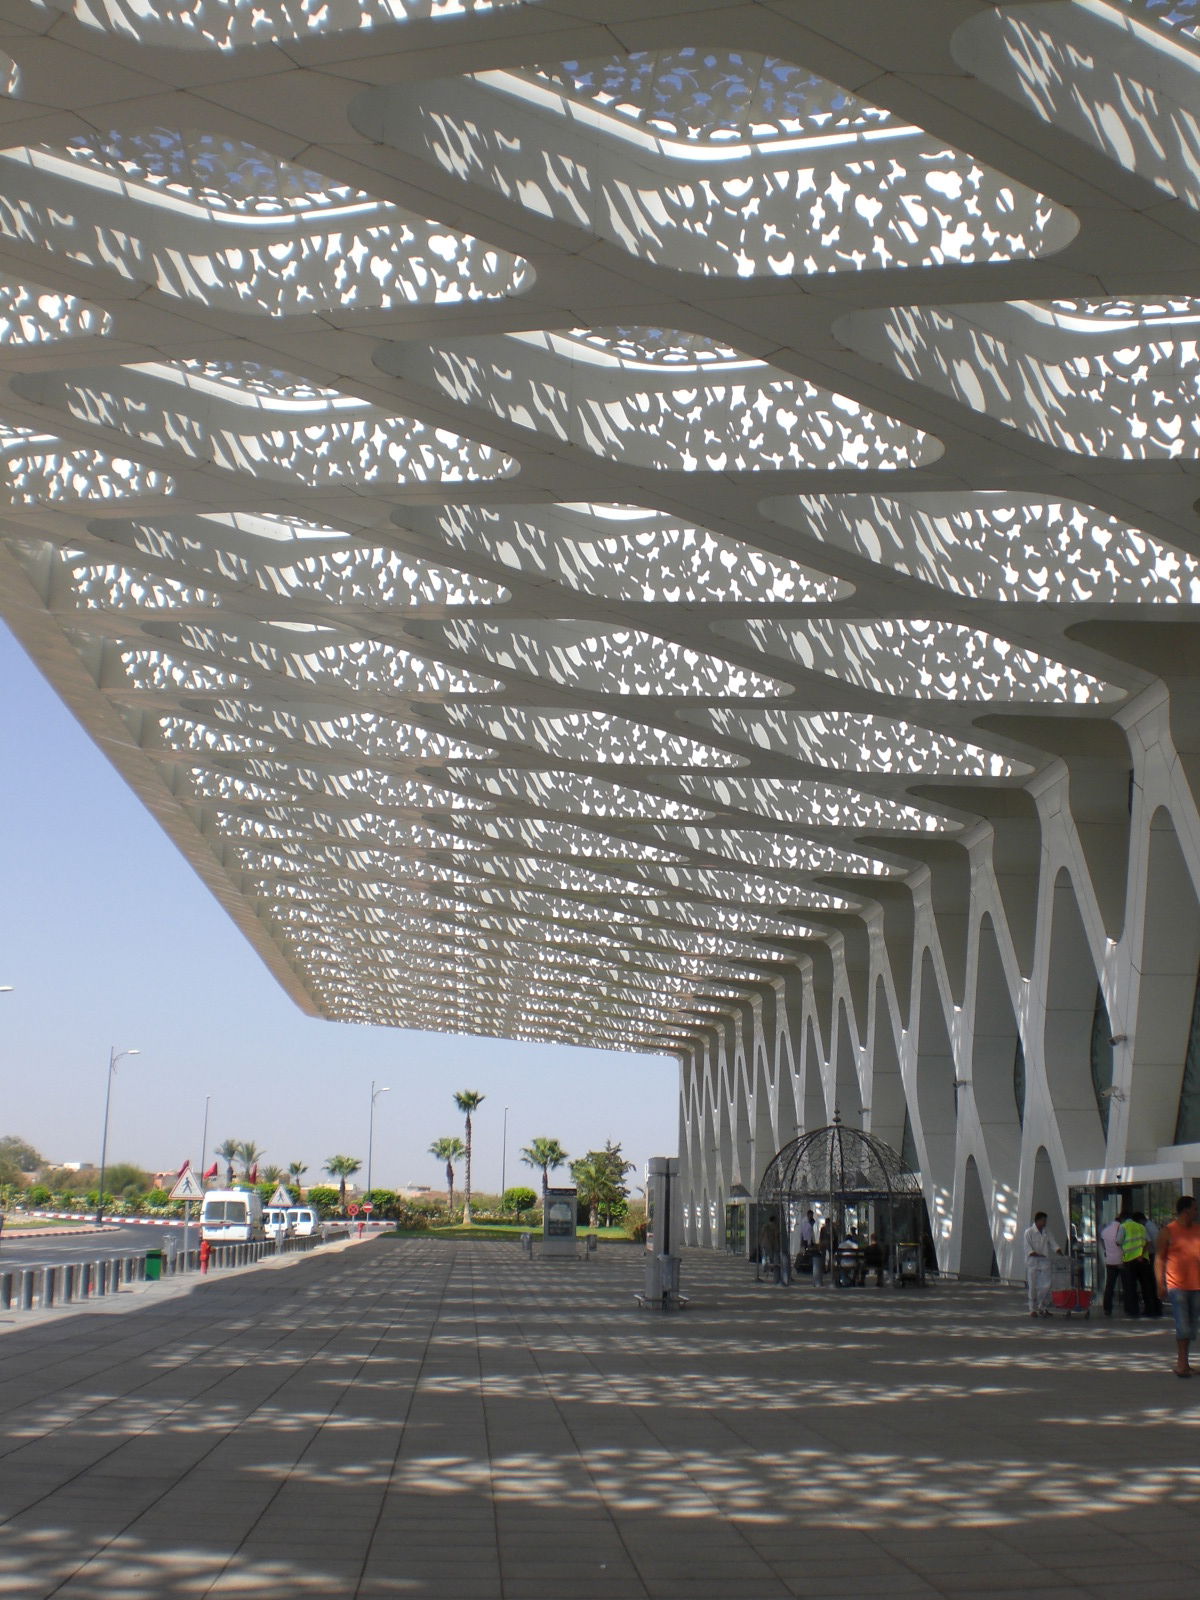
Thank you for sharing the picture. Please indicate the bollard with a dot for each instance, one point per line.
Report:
(102, 1277)
(49, 1285)
(88, 1280)
(6, 1290)
(28, 1285)
(68, 1283)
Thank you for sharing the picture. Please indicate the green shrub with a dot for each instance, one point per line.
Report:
(518, 1199)
(383, 1202)
(414, 1218)
(323, 1199)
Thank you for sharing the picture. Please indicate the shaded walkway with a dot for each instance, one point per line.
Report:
(434, 1419)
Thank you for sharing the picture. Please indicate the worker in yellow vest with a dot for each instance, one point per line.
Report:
(1135, 1248)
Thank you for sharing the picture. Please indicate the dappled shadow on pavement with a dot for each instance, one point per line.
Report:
(424, 1418)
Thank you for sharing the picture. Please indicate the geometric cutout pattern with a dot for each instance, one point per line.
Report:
(675, 535)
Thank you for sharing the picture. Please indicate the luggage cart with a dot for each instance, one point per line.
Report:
(1066, 1286)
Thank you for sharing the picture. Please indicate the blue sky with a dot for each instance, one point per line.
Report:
(109, 938)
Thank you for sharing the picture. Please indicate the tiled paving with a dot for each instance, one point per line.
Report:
(425, 1419)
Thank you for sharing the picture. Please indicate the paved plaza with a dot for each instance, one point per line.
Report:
(421, 1418)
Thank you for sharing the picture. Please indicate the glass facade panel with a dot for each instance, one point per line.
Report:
(1102, 1059)
(1187, 1118)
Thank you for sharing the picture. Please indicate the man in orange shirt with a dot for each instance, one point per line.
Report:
(1178, 1267)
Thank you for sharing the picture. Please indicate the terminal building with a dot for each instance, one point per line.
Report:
(665, 527)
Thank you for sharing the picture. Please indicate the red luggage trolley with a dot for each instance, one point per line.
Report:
(1066, 1286)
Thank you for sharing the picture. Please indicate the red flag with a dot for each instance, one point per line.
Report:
(184, 1168)
(211, 1173)
(254, 1173)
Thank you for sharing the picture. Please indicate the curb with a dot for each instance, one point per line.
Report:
(50, 1233)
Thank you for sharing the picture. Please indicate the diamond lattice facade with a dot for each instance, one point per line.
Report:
(663, 527)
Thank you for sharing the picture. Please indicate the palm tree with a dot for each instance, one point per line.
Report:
(296, 1171)
(341, 1168)
(229, 1151)
(449, 1151)
(250, 1155)
(546, 1154)
(468, 1100)
(600, 1180)
(271, 1175)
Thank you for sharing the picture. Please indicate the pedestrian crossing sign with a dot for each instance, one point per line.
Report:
(187, 1186)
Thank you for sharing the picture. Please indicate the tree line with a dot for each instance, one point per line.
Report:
(599, 1176)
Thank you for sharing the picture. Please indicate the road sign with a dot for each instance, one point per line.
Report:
(281, 1197)
(187, 1186)
(368, 1207)
(352, 1209)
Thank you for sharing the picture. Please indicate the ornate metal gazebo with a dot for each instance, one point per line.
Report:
(841, 1168)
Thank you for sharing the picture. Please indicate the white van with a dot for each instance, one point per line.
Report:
(232, 1216)
(277, 1223)
(292, 1222)
(304, 1221)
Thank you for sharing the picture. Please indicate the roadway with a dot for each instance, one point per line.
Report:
(59, 1247)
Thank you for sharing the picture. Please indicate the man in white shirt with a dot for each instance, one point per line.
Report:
(1039, 1247)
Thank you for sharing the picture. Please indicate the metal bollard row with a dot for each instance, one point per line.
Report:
(23, 1288)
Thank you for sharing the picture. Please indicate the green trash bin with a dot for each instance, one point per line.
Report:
(154, 1264)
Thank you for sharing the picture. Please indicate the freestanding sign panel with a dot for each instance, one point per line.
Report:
(558, 1223)
(662, 1240)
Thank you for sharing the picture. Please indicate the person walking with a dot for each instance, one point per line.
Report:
(818, 1258)
(808, 1232)
(1039, 1247)
(1114, 1258)
(768, 1248)
(872, 1261)
(1178, 1267)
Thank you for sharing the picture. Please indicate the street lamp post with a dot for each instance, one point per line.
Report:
(114, 1055)
(204, 1141)
(503, 1156)
(375, 1093)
